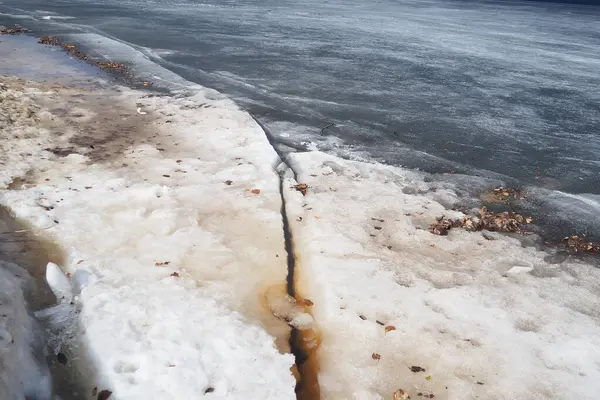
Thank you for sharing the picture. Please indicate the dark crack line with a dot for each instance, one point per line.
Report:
(299, 353)
(282, 156)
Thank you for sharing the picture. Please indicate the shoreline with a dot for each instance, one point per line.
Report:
(554, 220)
(378, 282)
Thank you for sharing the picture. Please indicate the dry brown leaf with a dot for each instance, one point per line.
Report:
(375, 356)
(302, 188)
(104, 395)
(255, 191)
(390, 328)
(400, 395)
(308, 303)
(162, 263)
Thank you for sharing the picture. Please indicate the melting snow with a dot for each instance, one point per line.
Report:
(167, 262)
(485, 319)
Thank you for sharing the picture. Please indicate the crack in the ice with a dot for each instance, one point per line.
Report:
(296, 341)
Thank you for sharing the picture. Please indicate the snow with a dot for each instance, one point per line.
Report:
(486, 319)
(168, 264)
(169, 212)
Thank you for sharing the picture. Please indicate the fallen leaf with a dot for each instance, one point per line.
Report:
(390, 328)
(104, 395)
(416, 368)
(255, 191)
(162, 264)
(428, 378)
(302, 188)
(228, 182)
(400, 395)
(375, 356)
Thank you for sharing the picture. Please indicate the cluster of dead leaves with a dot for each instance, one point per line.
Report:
(112, 65)
(12, 31)
(75, 52)
(506, 221)
(49, 40)
(502, 194)
(579, 244)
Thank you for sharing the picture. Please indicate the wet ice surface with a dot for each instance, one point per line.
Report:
(485, 318)
(21, 55)
(506, 91)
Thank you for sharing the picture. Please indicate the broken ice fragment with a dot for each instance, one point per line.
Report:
(58, 282)
(518, 270)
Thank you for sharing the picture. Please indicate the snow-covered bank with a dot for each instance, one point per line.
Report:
(476, 318)
(169, 212)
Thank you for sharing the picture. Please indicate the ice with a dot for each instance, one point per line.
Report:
(172, 224)
(484, 318)
(59, 282)
(168, 263)
(23, 372)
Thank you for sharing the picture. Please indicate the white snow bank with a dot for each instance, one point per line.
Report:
(23, 372)
(168, 262)
(486, 319)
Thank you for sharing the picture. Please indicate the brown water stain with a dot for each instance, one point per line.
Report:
(306, 345)
(303, 343)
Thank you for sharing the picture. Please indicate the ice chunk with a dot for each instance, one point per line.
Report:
(23, 371)
(59, 283)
